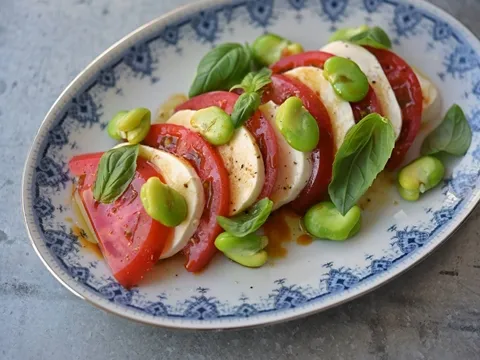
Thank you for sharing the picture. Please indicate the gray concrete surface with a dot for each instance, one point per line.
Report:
(431, 312)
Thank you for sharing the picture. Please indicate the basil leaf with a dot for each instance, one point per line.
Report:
(347, 33)
(248, 222)
(364, 35)
(245, 106)
(374, 37)
(453, 136)
(246, 84)
(115, 172)
(361, 157)
(247, 245)
(221, 68)
(255, 81)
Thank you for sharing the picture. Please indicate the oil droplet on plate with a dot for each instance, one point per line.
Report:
(82, 238)
(379, 194)
(304, 240)
(278, 228)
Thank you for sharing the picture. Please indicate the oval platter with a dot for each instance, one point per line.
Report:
(160, 59)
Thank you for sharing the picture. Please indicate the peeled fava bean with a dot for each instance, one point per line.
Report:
(420, 176)
(324, 221)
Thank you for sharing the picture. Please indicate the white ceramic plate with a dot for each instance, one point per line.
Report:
(160, 59)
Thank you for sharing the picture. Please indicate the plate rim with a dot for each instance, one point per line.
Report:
(82, 80)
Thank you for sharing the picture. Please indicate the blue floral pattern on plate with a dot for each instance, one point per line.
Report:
(145, 64)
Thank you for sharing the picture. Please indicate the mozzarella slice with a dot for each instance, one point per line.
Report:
(180, 176)
(370, 66)
(339, 110)
(168, 108)
(243, 161)
(431, 100)
(294, 167)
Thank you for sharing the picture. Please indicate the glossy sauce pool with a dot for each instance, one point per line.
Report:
(80, 230)
(283, 227)
(87, 245)
(379, 194)
(304, 240)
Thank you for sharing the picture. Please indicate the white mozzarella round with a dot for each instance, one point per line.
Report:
(243, 161)
(294, 167)
(180, 176)
(339, 110)
(370, 66)
(431, 100)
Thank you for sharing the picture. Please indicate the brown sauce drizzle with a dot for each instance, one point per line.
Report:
(87, 245)
(378, 195)
(304, 240)
(278, 230)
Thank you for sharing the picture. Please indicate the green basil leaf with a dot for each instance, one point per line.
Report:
(453, 136)
(245, 85)
(247, 245)
(248, 222)
(221, 68)
(364, 35)
(345, 34)
(115, 172)
(374, 37)
(245, 106)
(361, 157)
(255, 81)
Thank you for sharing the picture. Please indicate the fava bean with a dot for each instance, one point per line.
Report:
(324, 221)
(254, 261)
(214, 124)
(269, 48)
(139, 133)
(297, 125)
(409, 195)
(246, 250)
(132, 125)
(162, 203)
(420, 176)
(347, 79)
(241, 245)
(292, 49)
(112, 128)
(132, 119)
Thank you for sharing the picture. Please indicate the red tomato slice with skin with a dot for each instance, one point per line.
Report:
(208, 164)
(313, 58)
(408, 92)
(130, 240)
(258, 126)
(280, 89)
(369, 104)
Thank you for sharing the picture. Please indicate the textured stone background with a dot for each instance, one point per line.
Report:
(431, 312)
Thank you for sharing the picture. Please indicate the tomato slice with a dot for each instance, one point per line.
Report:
(408, 92)
(258, 126)
(369, 104)
(280, 89)
(208, 164)
(313, 58)
(130, 240)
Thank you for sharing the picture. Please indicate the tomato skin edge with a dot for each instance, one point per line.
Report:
(283, 87)
(130, 258)
(257, 125)
(369, 104)
(313, 58)
(408, 93)
(206, 161)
